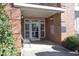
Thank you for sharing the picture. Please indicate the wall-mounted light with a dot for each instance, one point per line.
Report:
(51, 19)
(22, 16)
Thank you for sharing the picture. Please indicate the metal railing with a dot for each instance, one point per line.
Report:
(24, 41)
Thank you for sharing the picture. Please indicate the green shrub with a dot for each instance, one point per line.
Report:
(72, 43)
(7, 46)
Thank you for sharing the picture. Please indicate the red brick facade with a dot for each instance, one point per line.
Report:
(68, 17)
(15, 20)
(56, 22)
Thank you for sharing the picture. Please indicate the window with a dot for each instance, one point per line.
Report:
(76, 4)
(27, 33)
(42, 29)
(63, 29)
(52, 29)
(63, 26)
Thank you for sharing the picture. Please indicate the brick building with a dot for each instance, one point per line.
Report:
(41, 21)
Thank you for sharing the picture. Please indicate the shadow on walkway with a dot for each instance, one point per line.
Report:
(43, 42)
(60, 51)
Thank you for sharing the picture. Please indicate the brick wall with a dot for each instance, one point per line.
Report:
(15, 22)
(68, 17)
(56, 21)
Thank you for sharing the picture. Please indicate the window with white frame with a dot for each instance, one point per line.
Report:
(42, 29)
(63, 26)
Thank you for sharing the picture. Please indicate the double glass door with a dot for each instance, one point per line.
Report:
(32, 31)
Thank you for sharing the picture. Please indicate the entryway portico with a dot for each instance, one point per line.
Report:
(38, 11)
(35, 23)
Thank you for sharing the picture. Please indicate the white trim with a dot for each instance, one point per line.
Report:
(32, 31)
(44, 29)
(40, 7)
(24, 28)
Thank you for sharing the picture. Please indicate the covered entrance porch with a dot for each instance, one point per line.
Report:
(40, 22)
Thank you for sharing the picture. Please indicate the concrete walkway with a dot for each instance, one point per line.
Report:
(45, 48)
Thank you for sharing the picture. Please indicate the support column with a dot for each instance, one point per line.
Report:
(15, 21)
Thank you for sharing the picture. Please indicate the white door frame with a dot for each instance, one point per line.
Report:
(37, 23)
(30, 24)
(30, 21)
(24, 30)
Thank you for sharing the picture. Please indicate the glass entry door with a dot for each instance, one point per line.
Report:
(32, 31)
(35, 31)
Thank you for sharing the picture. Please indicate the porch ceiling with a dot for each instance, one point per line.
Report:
(31, 10)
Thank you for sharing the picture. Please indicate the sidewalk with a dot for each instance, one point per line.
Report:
(45, 48)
